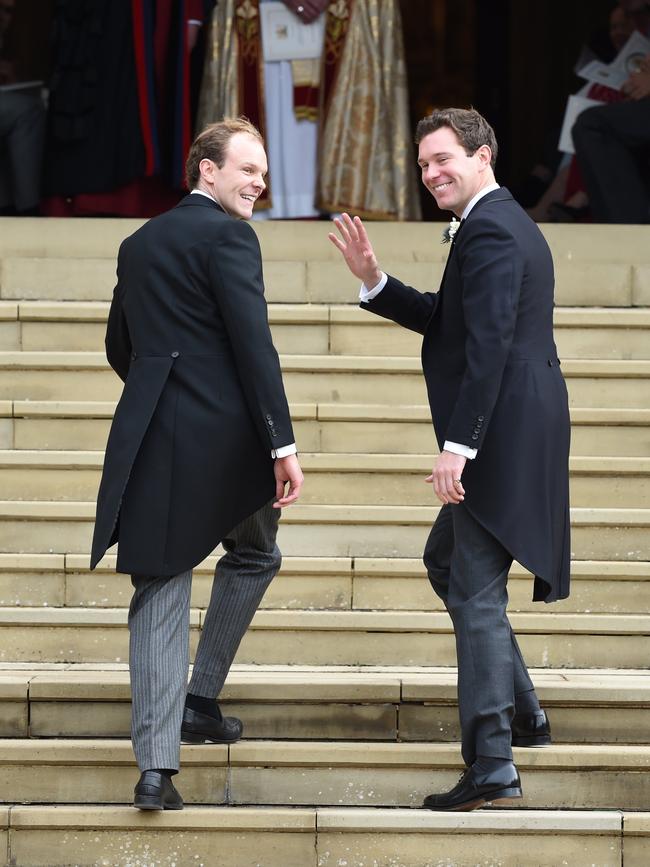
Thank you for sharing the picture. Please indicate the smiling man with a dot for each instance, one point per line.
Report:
(500, 411)
(200, 450)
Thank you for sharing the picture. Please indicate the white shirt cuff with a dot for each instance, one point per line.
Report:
(460, 449)
(284, 451)
(366, 294)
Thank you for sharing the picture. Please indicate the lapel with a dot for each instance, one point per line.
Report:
(500, 195)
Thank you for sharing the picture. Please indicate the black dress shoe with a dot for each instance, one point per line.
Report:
(475, 789)
(155, 791)
(197, 728)
(531, 729)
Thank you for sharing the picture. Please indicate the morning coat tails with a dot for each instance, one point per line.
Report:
(189, 451)
(494, 382)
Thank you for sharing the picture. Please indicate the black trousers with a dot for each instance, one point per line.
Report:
(468, 569)
(612, 145)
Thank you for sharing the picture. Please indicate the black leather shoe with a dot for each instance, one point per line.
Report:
(155, 791)
(197, 728)
(475, 789)
(531, 729)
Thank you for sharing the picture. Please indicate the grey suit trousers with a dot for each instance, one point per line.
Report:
(468, 569)
(159, 626)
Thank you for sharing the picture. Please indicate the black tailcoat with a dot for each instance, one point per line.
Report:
(494, 382)
(189, 451)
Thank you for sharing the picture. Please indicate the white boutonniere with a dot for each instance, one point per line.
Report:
(450, 231)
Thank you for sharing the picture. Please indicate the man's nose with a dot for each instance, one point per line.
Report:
(259, 183)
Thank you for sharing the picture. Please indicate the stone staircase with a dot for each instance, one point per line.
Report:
(345, 680)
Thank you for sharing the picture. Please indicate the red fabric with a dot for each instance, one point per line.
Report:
(141, 75)
(161, 41)
(144, 197)
(194, 10)
(186, 104)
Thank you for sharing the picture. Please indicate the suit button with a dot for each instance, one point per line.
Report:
(274, 433)
(474, 436)
(481, 418)
(175, 354)
(134, 355)
(269, 417)
(477, 430)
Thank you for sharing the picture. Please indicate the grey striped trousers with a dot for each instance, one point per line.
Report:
(159, 627)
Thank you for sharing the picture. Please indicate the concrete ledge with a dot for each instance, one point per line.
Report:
(477, 822)
(190, 819)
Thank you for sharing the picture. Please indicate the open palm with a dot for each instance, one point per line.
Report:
(356, 249)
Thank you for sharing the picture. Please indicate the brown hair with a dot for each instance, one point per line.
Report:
(212, 144)
(471, 128)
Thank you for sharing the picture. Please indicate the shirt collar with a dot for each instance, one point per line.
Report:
(203, 193)
(468, 207)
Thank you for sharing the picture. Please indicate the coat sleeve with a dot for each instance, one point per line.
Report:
(403, 305)
(238, 286)
(118, 341)
(491, 267)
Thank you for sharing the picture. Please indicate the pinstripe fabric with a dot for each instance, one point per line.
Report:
(159, 635)
(242, 575)
(159, 655)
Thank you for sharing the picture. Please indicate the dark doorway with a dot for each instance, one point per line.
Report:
(513, 60)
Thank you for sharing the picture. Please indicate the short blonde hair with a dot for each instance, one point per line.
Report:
(212, 144)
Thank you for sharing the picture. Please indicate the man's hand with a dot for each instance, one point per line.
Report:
(193, 30)
(356, 249)
(287, 470)
(445, 477)
(306, 10)
(638, 84)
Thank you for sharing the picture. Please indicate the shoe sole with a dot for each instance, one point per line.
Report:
(203, 739)
(501, 796)
(152, 804)
(533, 741)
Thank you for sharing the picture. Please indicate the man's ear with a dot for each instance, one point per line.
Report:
(207, 170)
(485, 155)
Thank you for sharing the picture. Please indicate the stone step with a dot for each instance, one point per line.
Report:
(326, 531)
(77, 238)
(280, 637)
(318, 583)
(81, 326)
(334, 703)
(318, 774)
(605, 333)
(361, 479)
(328, 427)
(323, 837)
(83, 376)
(300, 264)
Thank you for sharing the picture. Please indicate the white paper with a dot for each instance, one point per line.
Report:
(575, 106)
(285, 37)
(619, 70)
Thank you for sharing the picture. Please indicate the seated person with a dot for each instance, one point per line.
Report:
(612, 145)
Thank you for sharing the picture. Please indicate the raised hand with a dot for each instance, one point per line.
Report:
(356, 249)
